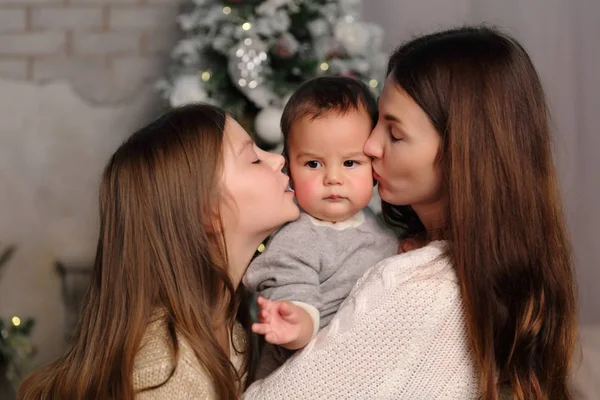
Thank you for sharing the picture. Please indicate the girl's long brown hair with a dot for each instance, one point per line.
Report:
(503, 219)
(157, 250)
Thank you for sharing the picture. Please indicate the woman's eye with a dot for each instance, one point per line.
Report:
(256, 162)
(313, 164)
(392, 137)
(350, 163)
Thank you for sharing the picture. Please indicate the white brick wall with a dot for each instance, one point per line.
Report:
(23, 2)
(32, 44)
(142, 17)
(67, 17)
(12, 20)
(14, 69)
(107, 43)
(112, 1)
(94, 44)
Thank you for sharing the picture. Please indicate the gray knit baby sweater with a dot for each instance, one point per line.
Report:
(318, 262)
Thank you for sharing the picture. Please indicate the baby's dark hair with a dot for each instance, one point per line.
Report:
(320, 96)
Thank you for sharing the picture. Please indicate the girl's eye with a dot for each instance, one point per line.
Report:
(350, 163)
(256, 162)
(313, 164)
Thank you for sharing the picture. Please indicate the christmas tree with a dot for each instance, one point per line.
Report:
(16, 348)
(248, 56)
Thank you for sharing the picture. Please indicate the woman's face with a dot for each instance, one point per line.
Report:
(404, 146)
(255, 198)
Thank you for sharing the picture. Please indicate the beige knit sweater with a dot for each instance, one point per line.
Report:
(154, 363)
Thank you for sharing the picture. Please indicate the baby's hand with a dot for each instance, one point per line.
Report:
(279, 321)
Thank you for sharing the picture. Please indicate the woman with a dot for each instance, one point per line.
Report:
(486, 308)
(181, 216)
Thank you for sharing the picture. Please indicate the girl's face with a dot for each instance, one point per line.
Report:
(255, 199)
(404, 146)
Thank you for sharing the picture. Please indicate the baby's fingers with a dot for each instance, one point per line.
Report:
(264, 316)
(285, 309)
(264, 303)
(261, 329)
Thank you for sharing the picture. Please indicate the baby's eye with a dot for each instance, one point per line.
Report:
(313, 164)
(350, 163)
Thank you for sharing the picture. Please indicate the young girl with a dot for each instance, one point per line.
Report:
(180, 218)
(486, 308)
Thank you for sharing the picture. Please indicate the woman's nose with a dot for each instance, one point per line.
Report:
(373, 146)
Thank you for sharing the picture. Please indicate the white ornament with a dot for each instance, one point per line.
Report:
(187, 89)
(267, 125)
(247, 65)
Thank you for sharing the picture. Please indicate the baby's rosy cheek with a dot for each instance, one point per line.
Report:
(305, 189)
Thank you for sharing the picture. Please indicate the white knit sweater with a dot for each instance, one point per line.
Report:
(401, 334)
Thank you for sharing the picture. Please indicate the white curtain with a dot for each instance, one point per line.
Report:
(563, 39)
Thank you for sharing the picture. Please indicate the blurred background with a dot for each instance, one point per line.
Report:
(79, 76)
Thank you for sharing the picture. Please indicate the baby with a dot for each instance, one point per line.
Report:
(310, 266)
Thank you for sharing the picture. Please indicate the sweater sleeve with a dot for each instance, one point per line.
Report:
(289, 268)
(399, 335)
(154, 365)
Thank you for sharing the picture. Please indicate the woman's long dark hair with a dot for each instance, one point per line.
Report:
(503, 218)
(156, 251)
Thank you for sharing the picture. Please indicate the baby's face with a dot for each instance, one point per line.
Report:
(331, 174)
